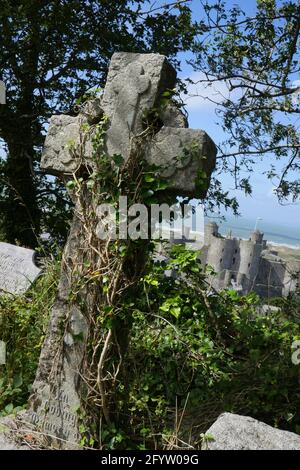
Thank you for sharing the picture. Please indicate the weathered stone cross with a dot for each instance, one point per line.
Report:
(134, 85)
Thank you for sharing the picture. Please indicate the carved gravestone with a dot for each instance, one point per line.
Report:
(134, 85)
(17, 269)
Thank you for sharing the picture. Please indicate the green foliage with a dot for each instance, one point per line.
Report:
(23, 322)
(253, 60)
(290, 306)
(191, 353)
(205, 352)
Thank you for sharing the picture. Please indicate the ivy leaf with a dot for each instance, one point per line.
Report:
(175, 311)
(118, 160)
(149, 178)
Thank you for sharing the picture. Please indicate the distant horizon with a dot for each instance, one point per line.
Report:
(263, 220)
(274, 232)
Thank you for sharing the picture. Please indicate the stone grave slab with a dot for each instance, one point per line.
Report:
(17, 269)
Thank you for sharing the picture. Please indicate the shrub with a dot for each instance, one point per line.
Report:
(191, 354)
(194, 353)
(23, 322)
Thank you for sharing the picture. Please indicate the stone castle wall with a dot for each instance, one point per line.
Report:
(248, 265)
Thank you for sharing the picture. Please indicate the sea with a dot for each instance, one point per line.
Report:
(275, 233)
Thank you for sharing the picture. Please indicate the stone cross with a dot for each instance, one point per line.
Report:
(128, 88)
(134, 86)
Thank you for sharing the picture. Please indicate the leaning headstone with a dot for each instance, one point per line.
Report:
(134, 86)
(235, 432)
(17, 269)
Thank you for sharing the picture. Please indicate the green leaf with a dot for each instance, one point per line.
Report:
(149, 178)
(175, 311)
(118, 160)
(9, 408)
(18, 380)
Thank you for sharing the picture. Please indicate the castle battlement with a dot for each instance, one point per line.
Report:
(247, 265)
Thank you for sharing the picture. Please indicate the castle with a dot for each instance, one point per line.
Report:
(248, 265)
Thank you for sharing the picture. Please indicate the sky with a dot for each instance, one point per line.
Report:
(202, 115)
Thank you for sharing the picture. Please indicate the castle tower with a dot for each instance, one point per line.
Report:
(257, 237)
(250, 254)
(210, 230)
(220, 254)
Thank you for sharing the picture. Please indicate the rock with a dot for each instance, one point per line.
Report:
(235, 432)
(2, 351)
(134, 86)
(55, 402)
(8, 430)
(63, 145)
(172, 116)
(5, 444)
(192, 151)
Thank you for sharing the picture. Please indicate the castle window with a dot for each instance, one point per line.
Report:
(233, 260)
(249, 265)
(221, 260)
(235, 250)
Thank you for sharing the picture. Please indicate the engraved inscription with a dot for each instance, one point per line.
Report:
(17, 270)
(55, 418)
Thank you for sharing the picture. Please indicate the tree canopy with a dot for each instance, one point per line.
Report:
(254, 61)
(51, 53)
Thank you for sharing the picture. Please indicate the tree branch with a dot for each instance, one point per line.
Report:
(259, 152)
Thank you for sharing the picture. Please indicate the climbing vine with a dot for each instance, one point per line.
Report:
(109, 270)
(164, 354)
(155, 344)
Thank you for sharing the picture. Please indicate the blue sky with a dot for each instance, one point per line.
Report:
(202, 115)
